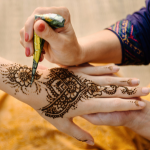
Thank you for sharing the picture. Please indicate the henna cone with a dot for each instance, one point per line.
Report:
(54, 21)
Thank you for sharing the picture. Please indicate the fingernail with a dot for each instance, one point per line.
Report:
(26, 37)
(27, 51)
(41, 58)
(145, 90)
(41, 27)
(142, 104)
(115, 68)
(135, 81)
(90, 143)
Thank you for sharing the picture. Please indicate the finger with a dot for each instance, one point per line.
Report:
(27, 45)
(29, 49)
(108, 80)
(69, 127)
(118, 91)
(41, 67)
(44, 31)
(41, 58)
(45, 10)
(98, 70)
(96, 105)
(112, 118)
(22, 40)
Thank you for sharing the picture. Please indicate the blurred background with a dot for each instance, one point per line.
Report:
(88, 16)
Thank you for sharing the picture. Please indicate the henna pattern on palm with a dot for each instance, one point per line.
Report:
(64, 89)
(19, 77)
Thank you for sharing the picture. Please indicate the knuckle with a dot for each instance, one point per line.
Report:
(38, 9)
(65, 12)
(64, 127)
(21, 32)
(90, 108)
(116, 103)
(48, 33)
(27, 24)
(21, 42)
(65, 9)
(109, 80)
(52, 8)
(97, 70)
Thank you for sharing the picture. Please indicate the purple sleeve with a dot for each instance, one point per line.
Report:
(141, 22)
(134, 35)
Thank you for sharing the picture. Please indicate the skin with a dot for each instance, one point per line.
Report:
(36, 95)
(138, 121)
(101, 45)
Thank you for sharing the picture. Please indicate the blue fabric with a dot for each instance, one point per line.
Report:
(141, 21)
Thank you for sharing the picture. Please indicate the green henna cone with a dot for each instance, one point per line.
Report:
(54, 21)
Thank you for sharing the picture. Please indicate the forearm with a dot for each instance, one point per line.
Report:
(101, 47)
(126, 42)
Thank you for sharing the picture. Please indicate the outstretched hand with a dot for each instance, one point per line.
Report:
(137, 120)
(60, 94)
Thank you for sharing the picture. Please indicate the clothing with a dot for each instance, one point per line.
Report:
(134, 35)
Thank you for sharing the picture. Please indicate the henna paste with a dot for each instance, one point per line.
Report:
(136, 103)
(110, 68)
(128, 82)
(19, 77)
(64, 89)
(129, 92)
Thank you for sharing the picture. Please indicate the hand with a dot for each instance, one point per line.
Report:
(137, 120)
(61, 46)
(60, 94)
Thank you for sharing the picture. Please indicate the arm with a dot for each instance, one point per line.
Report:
(125, 42)
(104, 46)
(128, 44)
(59, 94)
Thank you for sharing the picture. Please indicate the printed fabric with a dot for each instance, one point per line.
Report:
(132, 53)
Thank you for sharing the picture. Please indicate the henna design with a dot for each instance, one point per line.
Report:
(129, 92)
(65, 90)
(19, 77)
(128, 82)
(136, 102)
(109, 67)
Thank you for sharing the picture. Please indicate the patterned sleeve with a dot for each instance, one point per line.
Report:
(132, 53)
(134, 35)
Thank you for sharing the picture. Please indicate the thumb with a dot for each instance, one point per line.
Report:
(44, 31)
(70, 128)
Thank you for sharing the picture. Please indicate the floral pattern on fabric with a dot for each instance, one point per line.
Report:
(132, 53)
